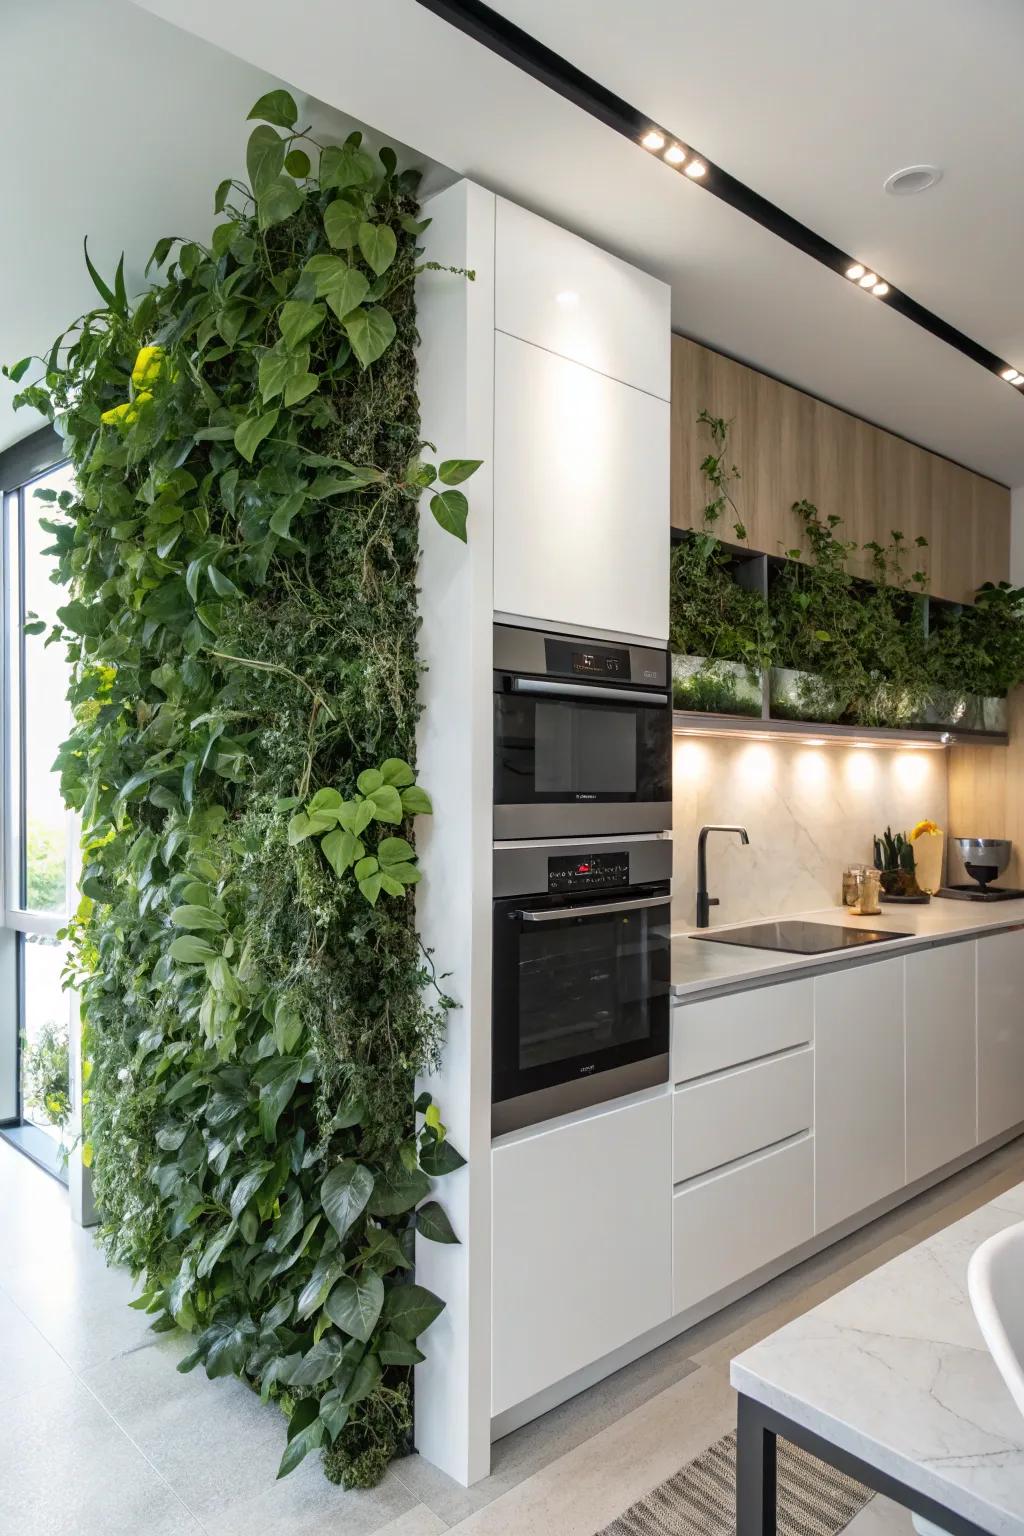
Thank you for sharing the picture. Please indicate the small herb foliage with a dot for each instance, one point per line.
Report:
(240, 553)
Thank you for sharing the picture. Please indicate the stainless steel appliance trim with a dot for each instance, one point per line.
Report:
(568, 631)
(568, 819)
(590, 908)
(608, 693)
(559, 844)
(580, 1093)
(521, 869)
(522, 650)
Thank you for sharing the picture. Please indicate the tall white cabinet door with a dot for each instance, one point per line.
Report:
(941, 1057)
(581, 496)
(564, 294)
(581, 1243)
(859, 1120)
(1000, 1033)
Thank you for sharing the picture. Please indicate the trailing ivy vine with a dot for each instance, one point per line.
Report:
(241, 552)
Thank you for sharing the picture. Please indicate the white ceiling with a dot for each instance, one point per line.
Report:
(118, 127)
(811, 104)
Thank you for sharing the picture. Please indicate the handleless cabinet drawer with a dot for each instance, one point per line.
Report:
(560, 292)
(730, 1224)
(725, 1031)
(752, 1107)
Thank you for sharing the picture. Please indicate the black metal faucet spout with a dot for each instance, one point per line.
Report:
(704, 901)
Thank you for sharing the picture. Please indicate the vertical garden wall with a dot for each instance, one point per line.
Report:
(240, 555)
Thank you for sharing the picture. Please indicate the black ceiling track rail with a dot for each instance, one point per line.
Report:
(534, 58)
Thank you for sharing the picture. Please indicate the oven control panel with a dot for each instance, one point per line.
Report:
(599, 872)
(570, 658)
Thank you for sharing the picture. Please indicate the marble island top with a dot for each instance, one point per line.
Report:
(703, 968)
(894, 1370)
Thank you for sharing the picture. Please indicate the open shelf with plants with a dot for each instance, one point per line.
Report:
(795, 640)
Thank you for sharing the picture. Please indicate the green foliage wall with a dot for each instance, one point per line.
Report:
(241, 554)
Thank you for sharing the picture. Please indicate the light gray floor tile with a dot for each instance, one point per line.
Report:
(306, 1504)
(536, 1445)
(26, 1359)
(66, 1469)
(214, 1441)
(881, 1517)
(418, 1521)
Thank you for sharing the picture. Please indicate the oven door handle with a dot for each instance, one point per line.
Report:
(599, 908)
(606, 695)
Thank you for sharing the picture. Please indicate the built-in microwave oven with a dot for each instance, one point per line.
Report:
(582, 736)
(581, 974)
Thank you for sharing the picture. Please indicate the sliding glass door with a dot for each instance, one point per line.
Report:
(38, 834)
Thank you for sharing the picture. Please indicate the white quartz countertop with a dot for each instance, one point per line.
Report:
(895, 1371)
(699, 967)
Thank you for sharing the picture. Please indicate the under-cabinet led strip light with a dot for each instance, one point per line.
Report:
(518, 47)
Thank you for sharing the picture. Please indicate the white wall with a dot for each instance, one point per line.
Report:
(810, 811)
(119, 127)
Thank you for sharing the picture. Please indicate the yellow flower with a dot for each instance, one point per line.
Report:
(148, 366)
(930, 828)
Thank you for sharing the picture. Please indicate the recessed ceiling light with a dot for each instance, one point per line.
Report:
(880, 290)
(653, 140)
(568, 297)
(675, 154)
(913, 178)
(1010, 375)
(696, 168)
(869, 280)
(855, 271)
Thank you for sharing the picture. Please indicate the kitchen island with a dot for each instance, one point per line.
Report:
(890, 1380)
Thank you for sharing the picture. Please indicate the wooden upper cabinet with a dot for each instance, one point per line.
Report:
(789, 446)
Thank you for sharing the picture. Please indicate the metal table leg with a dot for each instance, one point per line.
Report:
(755, 1471)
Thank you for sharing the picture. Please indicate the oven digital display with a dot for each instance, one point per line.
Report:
(600, 663)
(601, 871)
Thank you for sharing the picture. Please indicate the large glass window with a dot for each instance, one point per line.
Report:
(37, 830)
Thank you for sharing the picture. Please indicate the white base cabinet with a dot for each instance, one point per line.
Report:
(859, 1113)
(942, 1073)
(729, 1224)
(582, 1246)
(1000, 1033)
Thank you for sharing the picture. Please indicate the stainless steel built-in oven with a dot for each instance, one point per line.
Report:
(580, 1006)
(582, 736)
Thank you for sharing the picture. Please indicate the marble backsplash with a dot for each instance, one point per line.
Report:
(809, 811)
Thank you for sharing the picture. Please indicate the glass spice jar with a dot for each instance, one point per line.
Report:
(851, 885)
(869, 885)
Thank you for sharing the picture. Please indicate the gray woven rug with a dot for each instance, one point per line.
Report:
(813, 1499)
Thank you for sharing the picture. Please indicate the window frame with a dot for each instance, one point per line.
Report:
(20, 466)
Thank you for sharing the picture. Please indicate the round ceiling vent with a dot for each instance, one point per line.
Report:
(913, 178)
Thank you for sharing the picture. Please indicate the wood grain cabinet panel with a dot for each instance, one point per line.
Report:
(789, 446)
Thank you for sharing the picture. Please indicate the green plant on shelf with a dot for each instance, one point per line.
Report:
(711, 690)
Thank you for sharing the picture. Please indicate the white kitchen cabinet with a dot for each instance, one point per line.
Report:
(859, 1081)
(723, 1118)
(941, 1057)
(1000, 959)
(581, 496)
(560, 292)
(718, 1032)
(581, 1242)
(729, 1224)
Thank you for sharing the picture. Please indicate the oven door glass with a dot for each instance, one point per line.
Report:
(577, 994)
(551, 751)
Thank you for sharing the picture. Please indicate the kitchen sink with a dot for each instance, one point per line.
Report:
(796, 937)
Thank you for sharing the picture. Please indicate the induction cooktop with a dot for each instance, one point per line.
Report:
(798, 938)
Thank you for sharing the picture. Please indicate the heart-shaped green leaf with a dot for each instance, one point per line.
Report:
(378, 245)
(454, 471)
(344, 1193)
(450, 508)
(264, 158)
(276, 107)
(251, 432)
(341, 223)
(355, 1304)
(371, 332)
